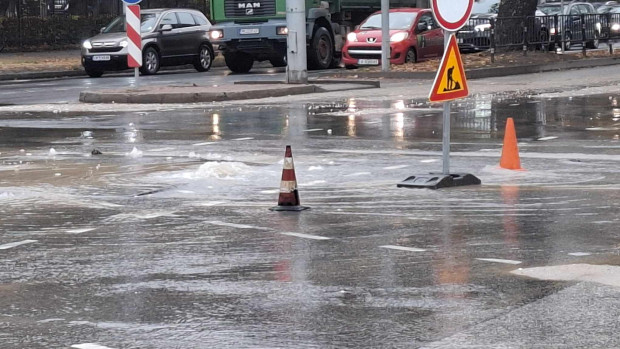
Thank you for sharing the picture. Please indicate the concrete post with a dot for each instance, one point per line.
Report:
(385, 36)
(297, 65)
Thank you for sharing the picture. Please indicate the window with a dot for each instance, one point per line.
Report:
(185, 19)
(427, 19)
(200, 20)
(171, 19)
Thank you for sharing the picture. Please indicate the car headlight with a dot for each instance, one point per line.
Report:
(615, 27)
(217, 34)
(282, 30)
(398, 37)
(482, 27)
(352, 37)
(123, 43)
(87, 45)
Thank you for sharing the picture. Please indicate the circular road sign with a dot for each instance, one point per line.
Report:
(132, 2)
(451, 14)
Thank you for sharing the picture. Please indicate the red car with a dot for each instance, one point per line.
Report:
(414, 36)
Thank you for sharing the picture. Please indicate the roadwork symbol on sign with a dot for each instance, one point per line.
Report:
(450, 82)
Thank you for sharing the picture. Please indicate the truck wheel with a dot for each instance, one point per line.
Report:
(278, 61)
(321, 49)
(239, 62)
(204, 59)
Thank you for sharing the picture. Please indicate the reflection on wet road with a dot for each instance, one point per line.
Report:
(152, 229)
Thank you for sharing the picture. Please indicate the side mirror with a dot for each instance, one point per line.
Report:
(356, 27)
(165, 27)
(101, 30)
(422, 27)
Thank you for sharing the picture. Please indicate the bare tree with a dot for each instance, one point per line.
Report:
(514, 8)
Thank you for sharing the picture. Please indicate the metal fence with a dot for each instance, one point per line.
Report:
(93, 8)
(539, 32)
(50, 23)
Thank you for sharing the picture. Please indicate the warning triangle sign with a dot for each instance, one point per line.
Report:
(450, 82)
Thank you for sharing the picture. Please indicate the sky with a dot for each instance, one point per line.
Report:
(483, 6)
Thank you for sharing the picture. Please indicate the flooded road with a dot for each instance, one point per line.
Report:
(151, 229)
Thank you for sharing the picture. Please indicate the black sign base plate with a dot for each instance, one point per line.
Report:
(439, 180)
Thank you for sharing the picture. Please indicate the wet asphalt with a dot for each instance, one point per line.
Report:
(151, 229)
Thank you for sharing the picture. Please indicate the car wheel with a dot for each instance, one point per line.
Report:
(204, 60)
(150, 61)
(239, 62)
(411, 56)
(321, 52)
(594, 43)
(544, 40)
(567, 44)
(93, 73)
(278, 61)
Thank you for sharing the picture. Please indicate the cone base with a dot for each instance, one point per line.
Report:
(289, 208)
(438, 180)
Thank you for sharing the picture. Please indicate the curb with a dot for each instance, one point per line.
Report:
(471, 74)
(191, 94)
(217, 62)
(486, 72)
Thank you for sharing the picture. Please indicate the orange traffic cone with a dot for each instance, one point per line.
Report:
(510, 152)
(289, 196)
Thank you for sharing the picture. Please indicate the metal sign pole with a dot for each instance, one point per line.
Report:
(446, 120)
(385, 36)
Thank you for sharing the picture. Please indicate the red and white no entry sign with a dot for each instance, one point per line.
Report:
(452, 14)
(134, 45)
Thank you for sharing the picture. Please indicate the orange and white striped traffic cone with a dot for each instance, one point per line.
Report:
(289, 196)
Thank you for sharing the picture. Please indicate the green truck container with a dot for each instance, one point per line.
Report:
(255, 30)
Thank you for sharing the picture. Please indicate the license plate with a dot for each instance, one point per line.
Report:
(101, 58)
(368, 61)
(249, 31)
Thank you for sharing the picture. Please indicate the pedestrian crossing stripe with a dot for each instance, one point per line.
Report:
(450, 82)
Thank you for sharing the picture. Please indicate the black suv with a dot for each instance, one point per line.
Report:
(169, 37)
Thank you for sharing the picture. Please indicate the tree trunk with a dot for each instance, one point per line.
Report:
(517, 8)
(512, 17)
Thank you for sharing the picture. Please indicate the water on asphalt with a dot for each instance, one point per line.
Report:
(152, 229)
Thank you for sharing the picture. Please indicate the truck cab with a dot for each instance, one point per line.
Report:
(248, 31)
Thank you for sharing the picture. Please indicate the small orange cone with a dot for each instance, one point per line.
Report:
(510, 152)
(289, 196)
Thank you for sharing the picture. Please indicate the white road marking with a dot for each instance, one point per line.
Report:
(15, 244)
(579, 254)
(357, 174)
(234, 225)
(403, 248)
(496, 260)
(205, 143)
(547, 138)
(50, 320)
(395, 167)
(89, 346)
(313, 130)
(161, 149)
(242, 139)
(602, 274)
(80, 231)
(306, 236)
